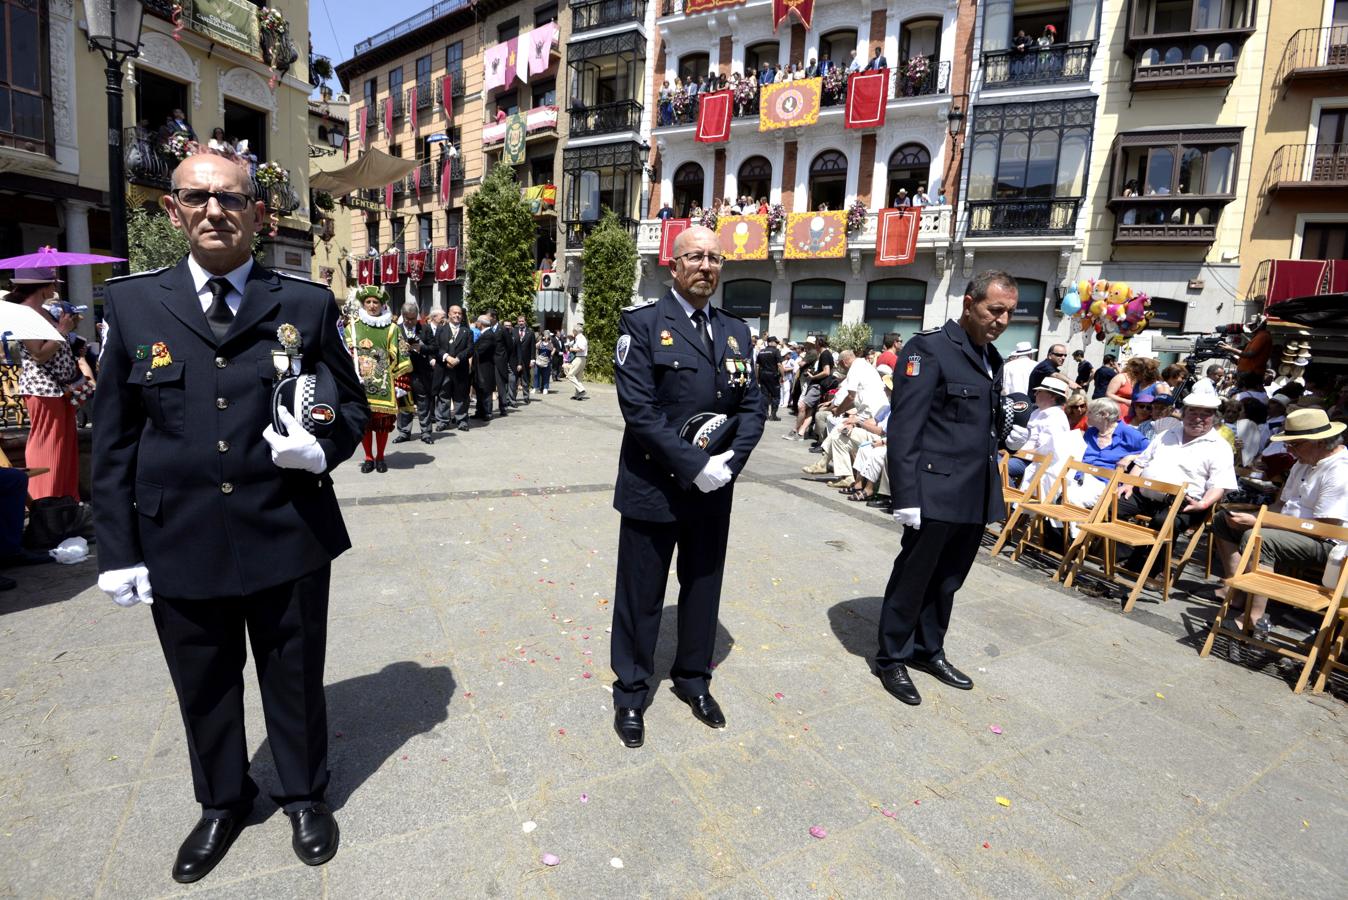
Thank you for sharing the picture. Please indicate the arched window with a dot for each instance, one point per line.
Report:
(693, 65)
(688, 181)
(755, 178)
(750, 299)
(909, 167)
(838, 46)
(816, 307)
(894, 304)
(756, 55)
(828, 181)
(323, 133)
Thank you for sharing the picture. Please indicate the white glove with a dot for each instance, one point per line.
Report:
(1016, 437)
(297, 449)
(127, 587)
(909, 518)
(715, 474)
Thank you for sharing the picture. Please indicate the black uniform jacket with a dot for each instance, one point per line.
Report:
(664, 377)
(461, 347)
(422, 352)
(485, 350)
(941, 439)
(182, 477)
(524, 346)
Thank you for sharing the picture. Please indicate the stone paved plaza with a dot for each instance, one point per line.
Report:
(471, 720)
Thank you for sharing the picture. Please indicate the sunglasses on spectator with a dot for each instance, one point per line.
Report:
(230, 201)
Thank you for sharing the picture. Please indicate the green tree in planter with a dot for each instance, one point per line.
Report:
(500, 254)
(854, 336)
(609, 271)
(155, 242)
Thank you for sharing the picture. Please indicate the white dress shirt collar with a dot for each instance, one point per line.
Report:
(237, 279)
(689, 309)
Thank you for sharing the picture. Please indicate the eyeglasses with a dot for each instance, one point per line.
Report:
(1076, 406)
(697, 258)
(230, 201)
(1057, 355)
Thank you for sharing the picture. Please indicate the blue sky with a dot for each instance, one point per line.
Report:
(336, 25)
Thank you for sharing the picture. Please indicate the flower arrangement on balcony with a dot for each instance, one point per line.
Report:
(277, 49)
(856, 216)
(835, 82)
(707, 219)
(271, 21)
(323, 201)
(179, 146)
(745, 93)
(776, 218)
(176, 13)
(682, 104)
(914, 72)
(271, 174)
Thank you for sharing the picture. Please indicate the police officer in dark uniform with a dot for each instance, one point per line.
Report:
(942, 441)
(768, 364)
(675, 358)
(204, 509)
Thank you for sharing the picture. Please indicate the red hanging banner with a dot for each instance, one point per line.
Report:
(365, 271)
(444, 182)
(713, 117)
(447, 101)
(866, 93)
(412, 108)
(388, 117)
(388, 195)
(804, 10)
(896, 235)
(416, 265)
(669, 230)
(447, 264)
(388, 269)
(416, 182)
(364, 115)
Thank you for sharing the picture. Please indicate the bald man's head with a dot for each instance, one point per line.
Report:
(696, 263)
(212, 202)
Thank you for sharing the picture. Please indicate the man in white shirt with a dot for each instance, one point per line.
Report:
(1017, 368)
(1316, 488)
(1194, 455)
(861, 391)
(580, 349)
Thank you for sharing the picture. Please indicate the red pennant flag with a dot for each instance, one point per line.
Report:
(713, 117)
(388, 195)
(365, 271)
(412, 107)
(364, 114)
(896, 235)
(416, 265)
(388, 268)
(447, 264)
(866, 93)
(444, 182)
(804, 10)
(416, 181)
(669, 230)
(448, 100)
(388, 117)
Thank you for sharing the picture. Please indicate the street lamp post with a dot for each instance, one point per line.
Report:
(114, 30)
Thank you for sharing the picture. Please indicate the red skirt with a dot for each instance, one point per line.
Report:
(53, 443)
(381, 423)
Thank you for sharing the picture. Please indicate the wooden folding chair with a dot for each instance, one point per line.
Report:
(1334, 659)
(12, 408)
(1200, 531)
(1113, 531)
(1251, 579)
(1014, 496)
(1055, 507)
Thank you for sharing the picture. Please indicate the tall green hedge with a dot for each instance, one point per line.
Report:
(500, 248)
(608, 275)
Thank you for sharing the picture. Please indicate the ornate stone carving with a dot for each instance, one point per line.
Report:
(244, 84)
(161, 53)
(62, 26)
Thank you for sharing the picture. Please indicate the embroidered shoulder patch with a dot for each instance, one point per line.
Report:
(624, 344)
(913, 366)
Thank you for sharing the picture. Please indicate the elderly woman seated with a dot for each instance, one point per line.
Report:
(1107, 441)
(1047, 420)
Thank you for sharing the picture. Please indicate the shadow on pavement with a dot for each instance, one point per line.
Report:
(407, 459)
(668, 642)
(41, 585)
(376, 714)
(855, 624)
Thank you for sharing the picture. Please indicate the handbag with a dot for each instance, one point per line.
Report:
(53, 519)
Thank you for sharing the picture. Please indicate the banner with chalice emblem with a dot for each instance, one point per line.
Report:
(743, 237)
(817, 235)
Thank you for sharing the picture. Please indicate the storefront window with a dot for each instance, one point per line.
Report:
(816, 307)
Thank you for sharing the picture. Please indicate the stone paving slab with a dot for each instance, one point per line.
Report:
(467, 741)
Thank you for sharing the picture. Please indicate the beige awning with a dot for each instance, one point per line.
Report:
(373, 169)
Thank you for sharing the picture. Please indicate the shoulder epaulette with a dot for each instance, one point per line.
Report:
(138, 274)
(640, 304)
(294, 277)
(928, 331)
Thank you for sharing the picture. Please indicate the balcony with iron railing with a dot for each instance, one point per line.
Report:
(933, 231)
(149, 165)
(1313, 54)
(576, 231)
(589, 15)
(1201, 59)
(1166, 219)
(1049, 216)
(408, 25)
(541, 121)
(429, 94)
(604, 118)
(1054, 64)
(1278, 280)
(398, 106)
(1300, 167)
(276, 50)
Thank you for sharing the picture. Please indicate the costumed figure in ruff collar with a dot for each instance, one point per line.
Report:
(384, 366)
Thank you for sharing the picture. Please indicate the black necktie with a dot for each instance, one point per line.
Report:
(220, 316)
(704, 331)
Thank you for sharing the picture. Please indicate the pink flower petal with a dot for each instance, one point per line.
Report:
(817, 831)
(584, 798)
(995, 729)
(586, 675)
(550, 859)
(779, 695)
(888, 813)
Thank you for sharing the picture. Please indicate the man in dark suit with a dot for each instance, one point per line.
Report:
(505, 357)
(485, 351)
(942, 445)
(456, 351)
(421, 345)
(233, 524)
(676, 357)
(523, 341)
(878, 60)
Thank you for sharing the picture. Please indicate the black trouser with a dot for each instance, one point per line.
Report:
(421, 397)
(484, 391)
(929, 570)
(644, 553)
(203, 643)
(771, 392)
(503, 398)
(1137, 504)
(453, 393)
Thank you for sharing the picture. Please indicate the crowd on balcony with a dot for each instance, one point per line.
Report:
(678, 102)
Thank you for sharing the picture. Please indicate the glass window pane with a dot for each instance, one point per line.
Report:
(1160, 171)
(6, 121)
(1208, 14)
(1217, 178)
(997, 25)
(983, 167)
(1043, 164)
(1191, 171)
(1084, 24)
(749, 297)
(1173, 16)
(892, 300)
(28, 116)
(1011, 166)
(25, 55)
(1072, 165)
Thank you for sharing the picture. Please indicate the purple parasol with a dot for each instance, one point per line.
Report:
(47, 257)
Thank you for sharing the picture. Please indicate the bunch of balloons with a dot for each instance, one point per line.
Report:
(1112, 309)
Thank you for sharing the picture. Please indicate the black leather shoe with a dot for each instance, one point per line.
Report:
(380, 466)
(367, 467)
(315, 834)
(705, 708)
(205, 846)
(463, 426)
(443, 426)
(630, 725)
(401, 438)
(427, 439)
(943, 671)
(897, 682)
